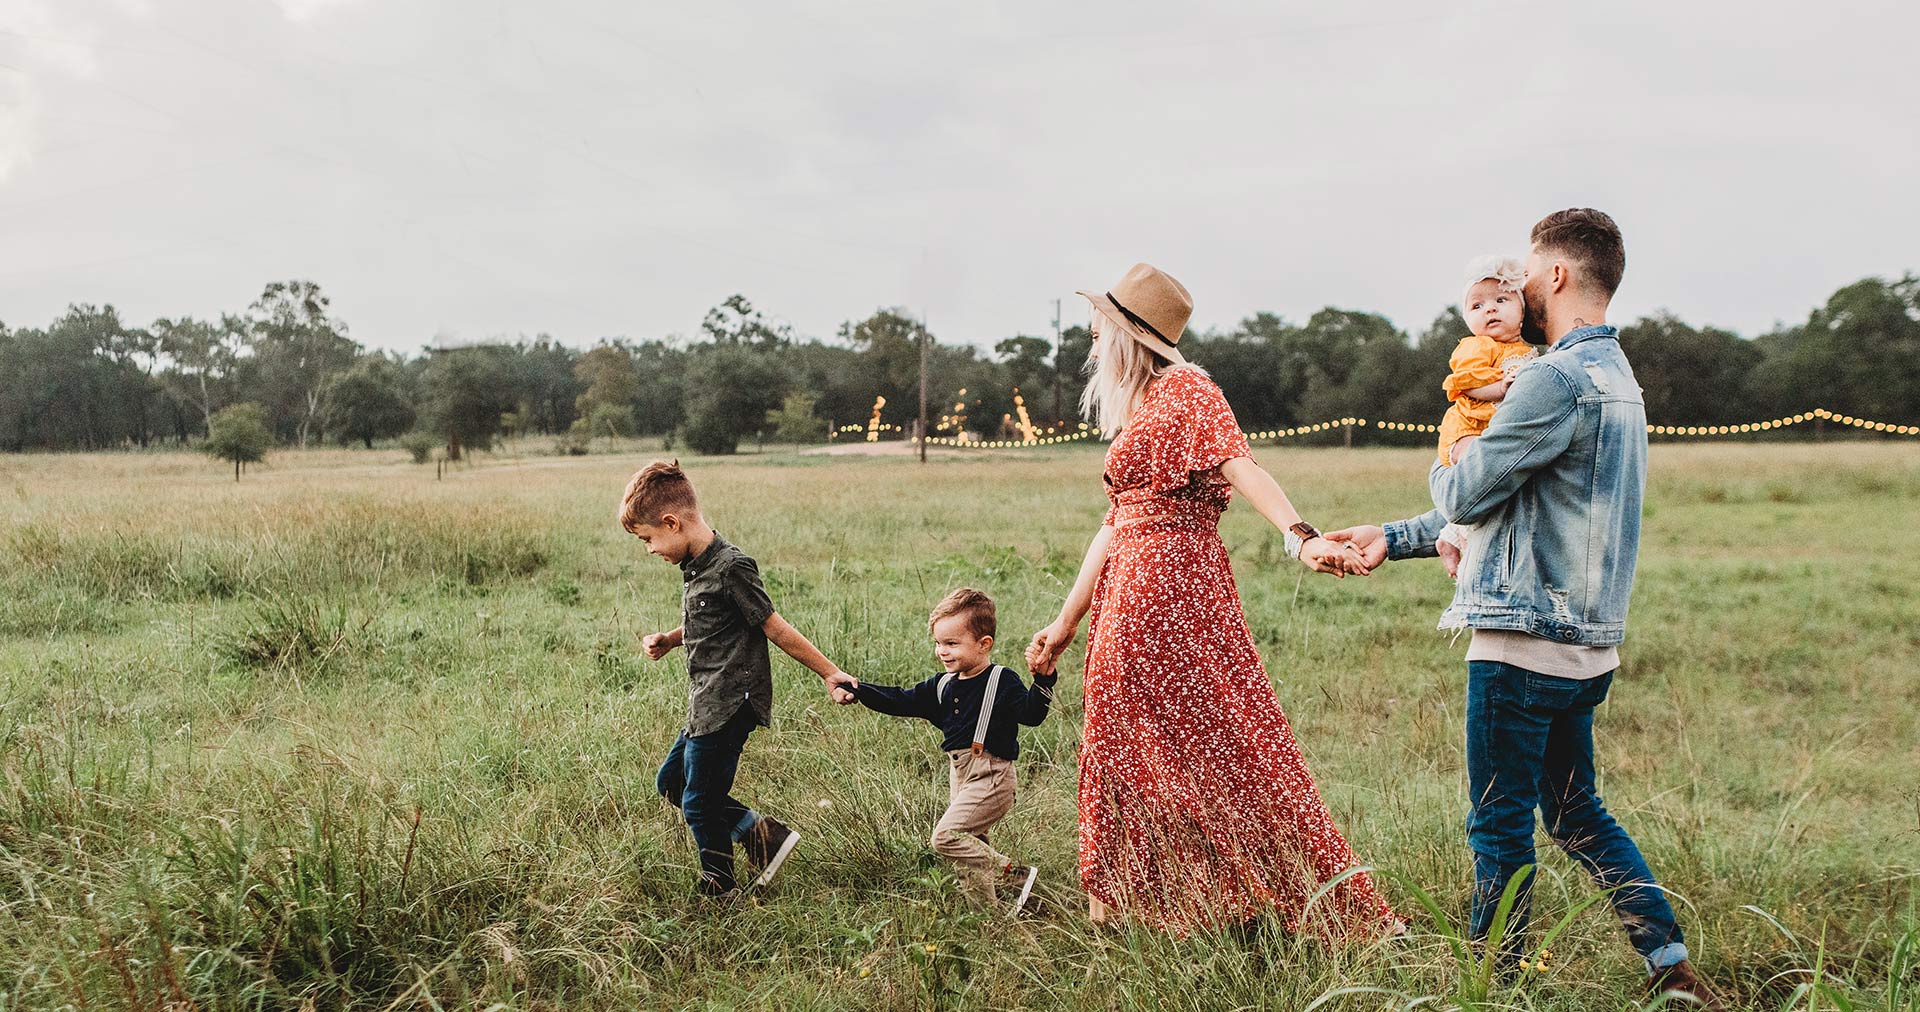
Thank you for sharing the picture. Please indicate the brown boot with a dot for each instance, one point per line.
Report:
(1680, 980)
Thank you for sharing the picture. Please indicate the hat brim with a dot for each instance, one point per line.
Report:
(1104, 306)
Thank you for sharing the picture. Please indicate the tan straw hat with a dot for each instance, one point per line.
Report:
(1150, 306)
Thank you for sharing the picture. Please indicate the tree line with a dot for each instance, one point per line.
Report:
(90, 380)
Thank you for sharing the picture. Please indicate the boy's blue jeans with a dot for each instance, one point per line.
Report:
(1530, 745)
(698, 777)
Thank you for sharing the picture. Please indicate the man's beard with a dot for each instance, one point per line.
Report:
(1533, 323)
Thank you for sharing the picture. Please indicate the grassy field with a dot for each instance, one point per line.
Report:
(345, 736)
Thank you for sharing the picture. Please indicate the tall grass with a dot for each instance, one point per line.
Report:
(343, 736)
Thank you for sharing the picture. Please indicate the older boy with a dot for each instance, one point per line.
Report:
(726, 621)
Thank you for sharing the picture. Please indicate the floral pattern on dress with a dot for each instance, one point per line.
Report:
(1196, 806)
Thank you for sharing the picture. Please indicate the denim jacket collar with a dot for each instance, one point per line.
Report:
(1579, 334)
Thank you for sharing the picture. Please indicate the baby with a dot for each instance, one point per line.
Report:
(1484, 363)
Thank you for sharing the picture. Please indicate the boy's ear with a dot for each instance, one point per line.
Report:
(986, 642)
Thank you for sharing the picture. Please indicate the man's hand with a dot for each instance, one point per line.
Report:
(1324, 555)
(840, 686)
(1459, 447)
(1449, 555)
(1370, 541)
(658, 645)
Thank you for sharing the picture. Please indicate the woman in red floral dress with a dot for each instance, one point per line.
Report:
(1196, 807)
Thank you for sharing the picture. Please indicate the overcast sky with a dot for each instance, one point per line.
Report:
(591, 168)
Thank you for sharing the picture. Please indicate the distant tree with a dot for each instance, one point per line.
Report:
(889, 347)
(794, 421)
(1027, 364)
(298, 346)
(1858, 354)
(238, 433)
(544, 384)
(659, 404)
(467, 391)
(369, 401)
(202, 359)
(842, 390)
(1352, 361)
(730, 389)
(1258, 365)
(1689, 376)
(736, 322)
(611, 386)
(64, 387)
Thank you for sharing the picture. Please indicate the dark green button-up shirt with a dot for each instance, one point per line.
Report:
(722, 609)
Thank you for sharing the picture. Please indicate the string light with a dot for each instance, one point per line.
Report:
(1770, 424)
(1085, 431)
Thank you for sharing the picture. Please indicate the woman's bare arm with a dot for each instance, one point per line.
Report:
(1267, 498)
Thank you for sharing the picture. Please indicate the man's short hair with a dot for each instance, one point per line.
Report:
(653, 492)
(1590, 239)
(976, 606)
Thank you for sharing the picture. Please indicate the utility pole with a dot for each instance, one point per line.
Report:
(925, 340)
(1057, 416)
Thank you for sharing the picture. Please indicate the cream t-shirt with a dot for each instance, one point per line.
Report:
(1548, 657)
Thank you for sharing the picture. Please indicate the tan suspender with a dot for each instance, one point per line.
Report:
(986, 704)
(986, 710)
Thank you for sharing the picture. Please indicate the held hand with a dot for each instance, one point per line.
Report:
(1326, 556)
(1450, 556)
(1368, 540)
(1047, 646)
(840, 686)
(657, 645)
(1459, 447)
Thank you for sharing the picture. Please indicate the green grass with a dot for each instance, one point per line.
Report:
(344, 736)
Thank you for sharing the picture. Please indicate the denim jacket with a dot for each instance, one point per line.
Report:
(1552, 491)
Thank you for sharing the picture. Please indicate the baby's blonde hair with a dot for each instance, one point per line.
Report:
(1509, 271)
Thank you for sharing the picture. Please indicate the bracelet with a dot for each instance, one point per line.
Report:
(1293, 544)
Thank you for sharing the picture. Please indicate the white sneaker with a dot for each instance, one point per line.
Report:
(1026, 887)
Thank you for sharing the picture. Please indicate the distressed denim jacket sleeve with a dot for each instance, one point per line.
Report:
(1535, 424)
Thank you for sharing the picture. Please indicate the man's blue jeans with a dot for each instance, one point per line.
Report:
(1530, 745)
(698, 777)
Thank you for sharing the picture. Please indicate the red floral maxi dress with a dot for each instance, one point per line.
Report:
(1196, 807)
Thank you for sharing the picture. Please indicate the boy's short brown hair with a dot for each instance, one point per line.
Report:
(654, 491)
(1591, 239)
(976, 606)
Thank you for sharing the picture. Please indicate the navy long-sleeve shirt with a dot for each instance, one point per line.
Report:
(957, 710)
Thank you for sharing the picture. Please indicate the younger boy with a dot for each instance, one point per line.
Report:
(1485, 361)
(726, 621)
(978, 704)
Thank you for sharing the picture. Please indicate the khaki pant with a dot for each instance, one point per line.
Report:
(982, 794)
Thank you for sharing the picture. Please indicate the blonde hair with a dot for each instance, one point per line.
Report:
(654, 491)
(974, 604)
(1118, 371)
(1508, 271)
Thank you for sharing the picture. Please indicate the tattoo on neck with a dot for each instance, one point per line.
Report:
(1578, 323)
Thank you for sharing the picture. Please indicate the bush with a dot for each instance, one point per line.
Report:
(421, 445)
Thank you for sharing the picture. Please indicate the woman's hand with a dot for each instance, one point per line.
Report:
(1339, 558)
(1048, 644)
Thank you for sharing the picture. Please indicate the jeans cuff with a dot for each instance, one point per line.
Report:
(1670, 954)
(746, 823)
